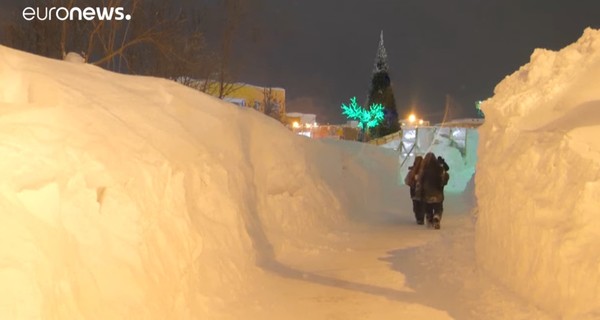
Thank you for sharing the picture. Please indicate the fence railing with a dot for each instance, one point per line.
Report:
(386, 139)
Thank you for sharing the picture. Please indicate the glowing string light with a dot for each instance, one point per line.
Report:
(366, 118)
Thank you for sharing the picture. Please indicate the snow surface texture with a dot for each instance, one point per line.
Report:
(538, 180)
(136, 197)
(74, 57)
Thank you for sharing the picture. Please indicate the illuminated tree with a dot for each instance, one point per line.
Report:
(381, 92)
(366, 118)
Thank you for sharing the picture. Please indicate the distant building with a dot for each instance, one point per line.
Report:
(302, 119)
(302, 123)
(306, 124)
(263, 99)
(238, 101)
(268, 100)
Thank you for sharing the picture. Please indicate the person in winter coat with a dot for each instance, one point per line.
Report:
(445, 175)
(432, 181)
(411, 181)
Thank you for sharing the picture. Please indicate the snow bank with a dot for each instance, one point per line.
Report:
(74, 57)
(364, 177)
(135, 197)
(538, 180)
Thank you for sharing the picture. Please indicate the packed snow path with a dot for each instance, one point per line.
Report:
(393, 270)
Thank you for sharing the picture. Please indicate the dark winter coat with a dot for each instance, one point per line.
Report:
(433, 180)
(412, 179)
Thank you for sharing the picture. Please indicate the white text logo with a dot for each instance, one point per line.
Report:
(75, 13)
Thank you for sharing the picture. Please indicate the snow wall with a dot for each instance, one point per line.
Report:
(538, 180)
(136, 197)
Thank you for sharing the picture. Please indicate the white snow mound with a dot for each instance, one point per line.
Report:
(538, 180)
(136, 197)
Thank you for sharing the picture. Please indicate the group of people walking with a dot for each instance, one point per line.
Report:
(426, 179)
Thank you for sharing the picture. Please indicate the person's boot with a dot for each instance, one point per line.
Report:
(429, 221)
(436, 221)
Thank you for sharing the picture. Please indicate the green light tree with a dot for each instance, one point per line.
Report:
(366, 118)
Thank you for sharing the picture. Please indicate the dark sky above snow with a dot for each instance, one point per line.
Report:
(322, 51)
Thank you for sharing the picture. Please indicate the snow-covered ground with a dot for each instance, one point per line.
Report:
(133, 197)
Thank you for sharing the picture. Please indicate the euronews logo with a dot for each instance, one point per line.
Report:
(75, 13)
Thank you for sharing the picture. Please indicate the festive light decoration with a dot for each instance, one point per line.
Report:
(366, 118)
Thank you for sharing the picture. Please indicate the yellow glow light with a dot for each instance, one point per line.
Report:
(296, 124)
(412, 118)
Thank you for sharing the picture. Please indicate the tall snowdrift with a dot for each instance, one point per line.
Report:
(133, 197)
(538, 180)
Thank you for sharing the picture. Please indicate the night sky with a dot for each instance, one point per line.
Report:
(322, 51)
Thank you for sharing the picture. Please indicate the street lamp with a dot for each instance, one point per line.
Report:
(412, 118)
